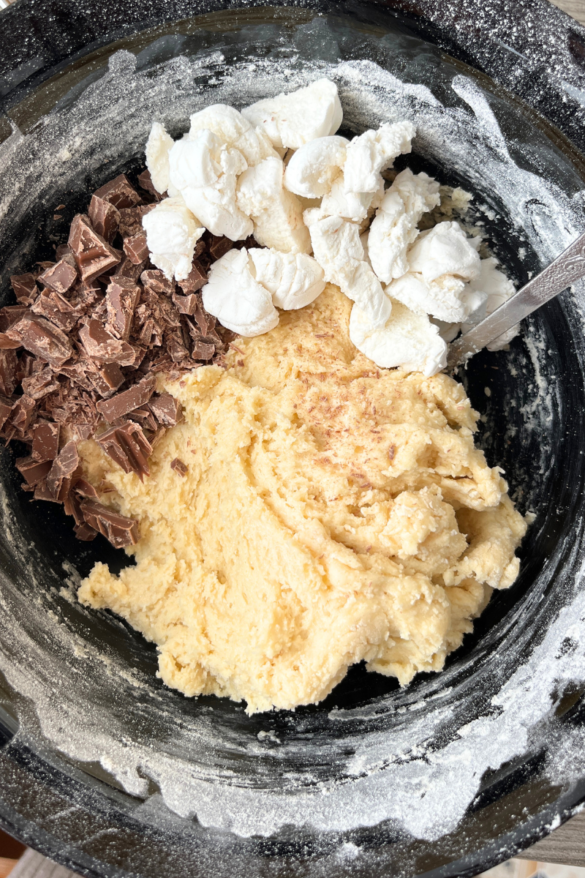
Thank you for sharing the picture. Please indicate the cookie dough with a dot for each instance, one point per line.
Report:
(326, 512)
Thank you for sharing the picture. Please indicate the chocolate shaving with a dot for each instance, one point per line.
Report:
(128, 447)
(156, 282)
(179, 467)
(118, 529)
(131, 220)
(8, 344)
(63, 467)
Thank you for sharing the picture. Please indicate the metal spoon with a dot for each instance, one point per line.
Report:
(565, 270)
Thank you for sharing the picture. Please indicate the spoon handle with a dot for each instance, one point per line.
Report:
(565, 270)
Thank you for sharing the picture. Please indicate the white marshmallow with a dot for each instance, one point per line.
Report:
(408, 340)
(293, 279)
(395, 226)
(238, 301)
(214, 202)
(497, 289)
(294, 119)
(277, 214)
(313, 168)
(354, 206)
(158, 146)
(339, 251)
(445, 249)
(448, 298)
(373, 152)
(232, 129)
(171, 234)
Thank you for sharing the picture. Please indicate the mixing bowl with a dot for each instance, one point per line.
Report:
(104, 769)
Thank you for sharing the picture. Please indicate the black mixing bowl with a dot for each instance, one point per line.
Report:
(104, 769)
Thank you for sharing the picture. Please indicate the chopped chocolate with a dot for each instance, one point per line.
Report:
(25, 287)
(8, 367)
(128, 269)
(8, 344)
(166, 409)
(72, 503)
(84, 488)
(217, 246)
(44, 265)
(60, 277)
(32, 470)
(145, 182)
(22, 415)
(175, 345)
(196, 278)
(202, 350)
(85, 532)
(144, 417)
(204, 321)
(93, 254)
(45, 442)
(118, 529)
(11, 314)
(62, 468)
(122, 403)
(101, 345)
(131, 220)
(128, 447)
(119, 192)
(5, 410)
(179, 467)
(136, 248)
(122, 298)
(185, 304)
(42, 338)
(104, 217)
(40, 384)
(57, 309)
(155, 281)
(112, 378)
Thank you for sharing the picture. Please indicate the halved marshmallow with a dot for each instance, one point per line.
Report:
(171, 234)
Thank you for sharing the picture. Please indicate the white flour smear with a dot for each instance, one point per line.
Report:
(426, 772)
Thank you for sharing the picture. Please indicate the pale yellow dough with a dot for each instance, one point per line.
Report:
(332, 513)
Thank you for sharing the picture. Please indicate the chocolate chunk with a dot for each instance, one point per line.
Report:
(85, 532)
(217, 246)
(45, 440)
(122, 298)
(205, 321)
(85, 489)
(104, 217)
(118, 529)
(185, 304)
(62, 468)
(57, 309)
(45, 265)
(8, 366)
(112, 378)
(5, 410)
(22, 415)
(33, 471)
(60, 277)
(156, 282)
(179, 467)
(144, 417)
(202, 350)
(92, 253)
(11, 314)
(80, 432)
(131, 220)
(122, 403)
(40, 384)
(145, 182)
(119, 192)
(42, 338)
(196, 279)
(128, 447)
(176, 346)
(24, 286)
(72, 502)
(62, 250)
(136, 248)
(129, 269)
(8, 344)
(101, 345)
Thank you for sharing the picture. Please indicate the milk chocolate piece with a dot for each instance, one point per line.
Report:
(24, 286)
(122, 403)
(128, 447)
(196, 278)
(144, 417)
(45, 440)
(112, 376)
(176, 346)
(11, 314)
(204, 321)
(136, 248)
(131, 220)
(85, 532)
(185, 304)
(218, 246)
(42, 338)
(33, 471)
(179, 467)
(23, 411)
(145, 182)
(119, 192)
(60, 277)
(118, 529)
(122, 298)
(156, 282)
(128, 269)
(5, 410)
(8, 366)
(57, 309)
(202, 350)
(8, 344)
(40, 384)
(62, 468)
(101, 345)
(92, 253)
(85, 489)
(104, 217)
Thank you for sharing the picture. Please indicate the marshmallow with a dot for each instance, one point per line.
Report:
(354, 206)
(445, 249)
(238, 301)
(395, 226)
(313, 168)
(339, 251)
(158, 146)
(171, 234)
(292, 120)
(232, 129)
(407, 340)
(448, 298)
(213, 201)
(293, 279)
(277, 214)
(497, 289)
(373, 152)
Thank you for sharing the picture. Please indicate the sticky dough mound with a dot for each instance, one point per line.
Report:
(331, 513)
